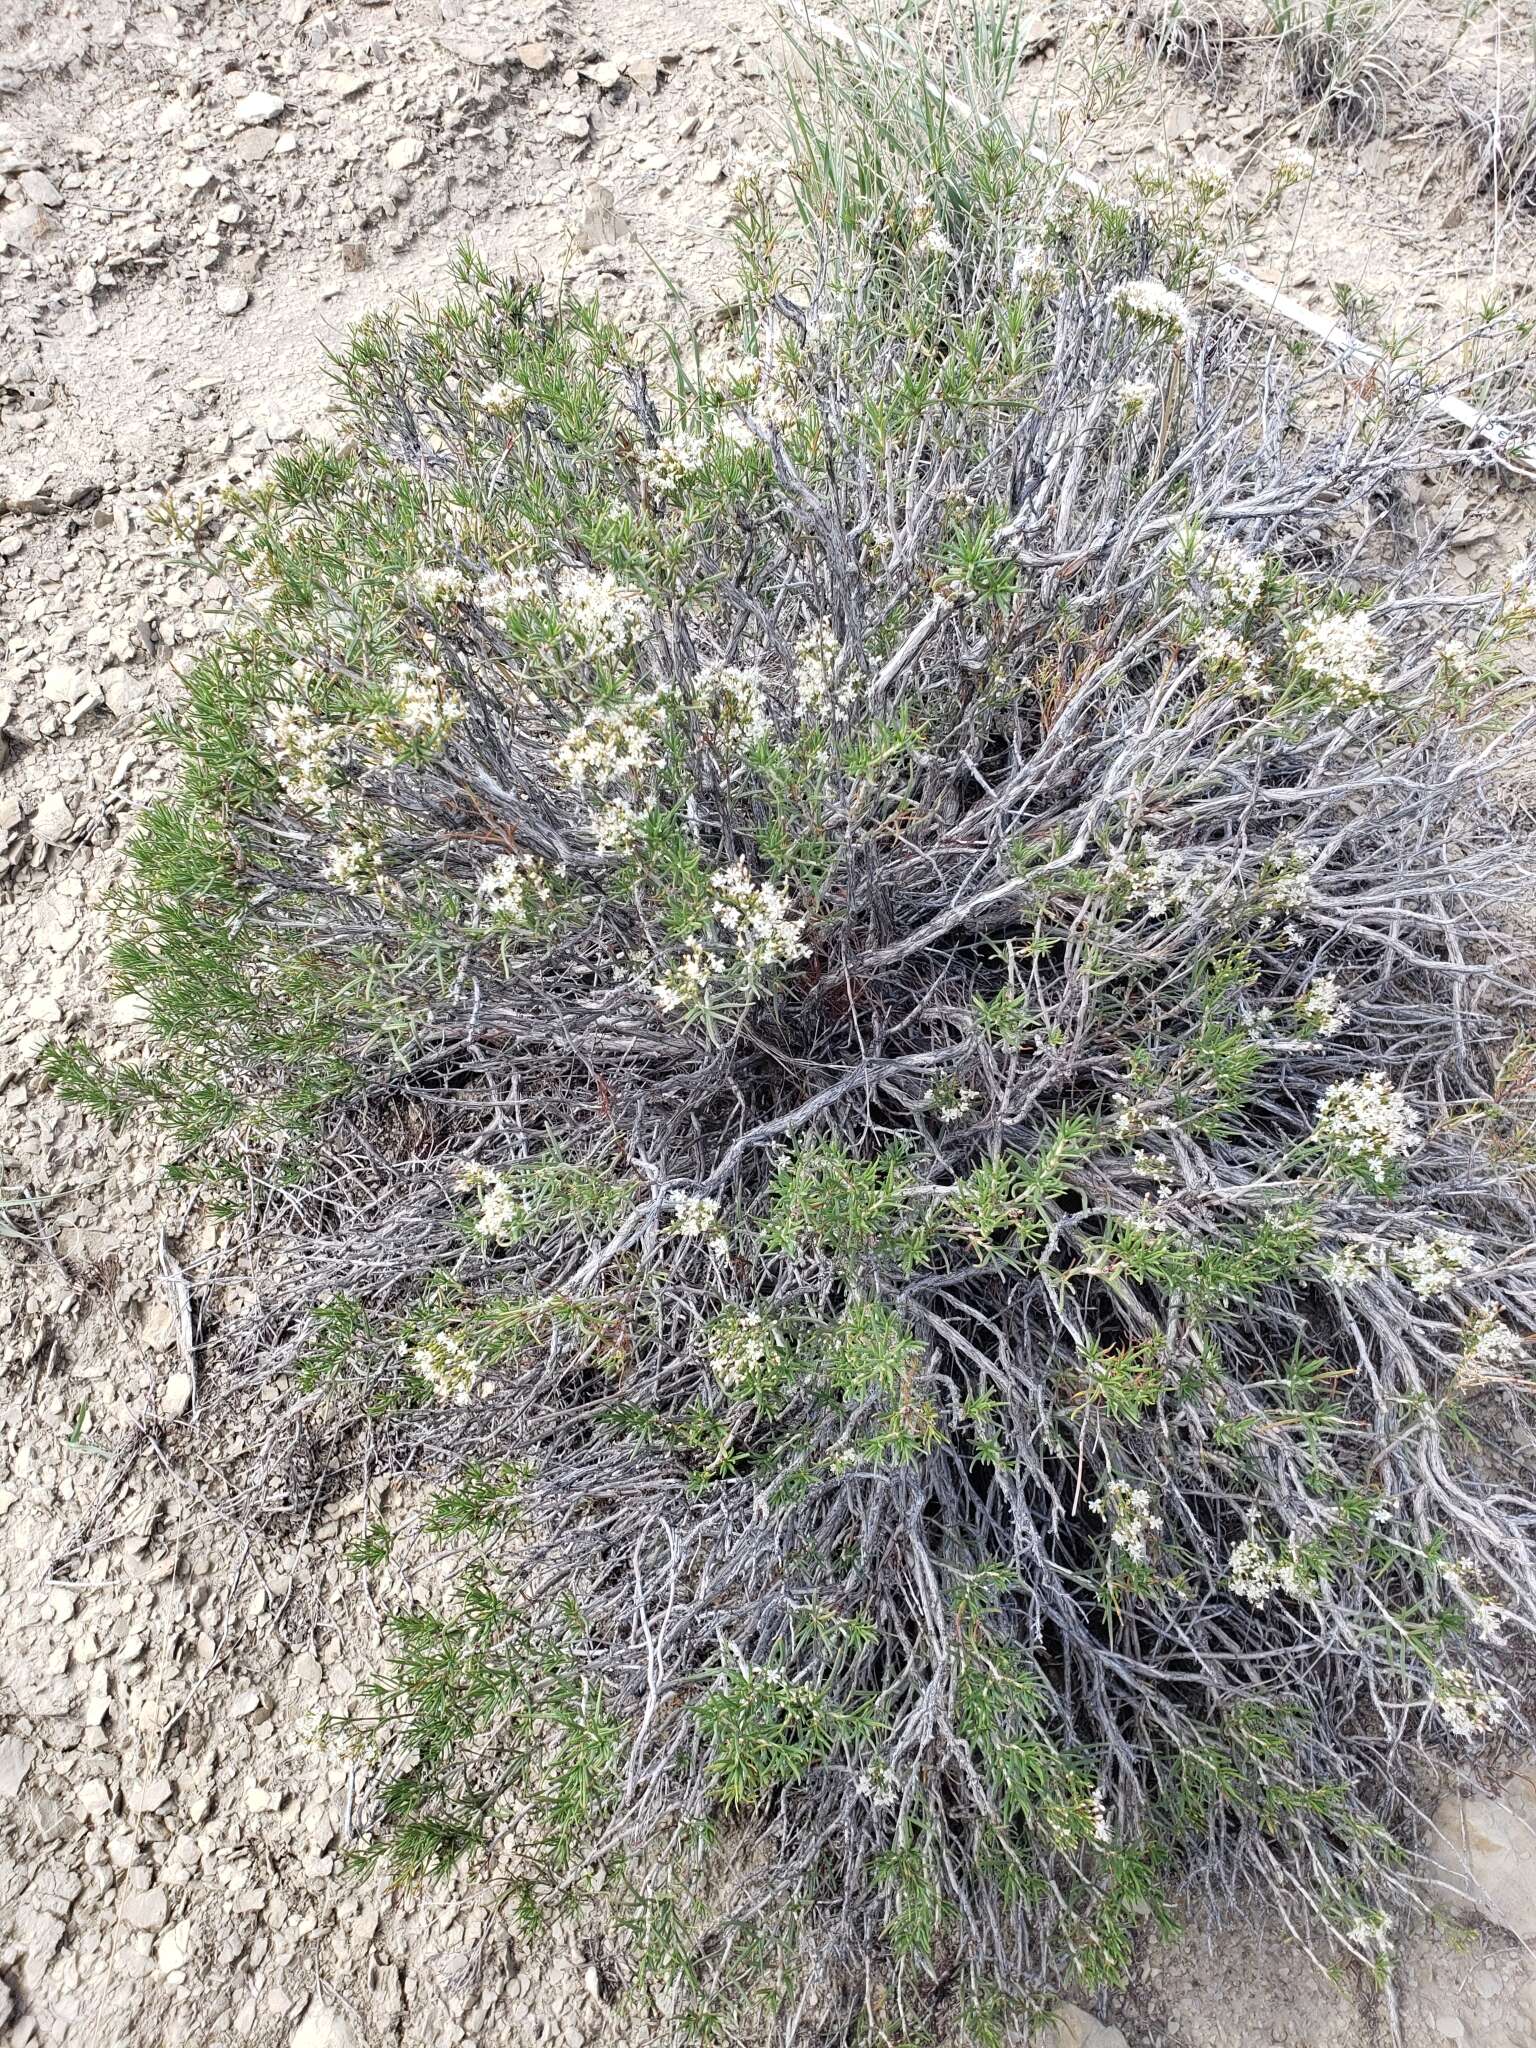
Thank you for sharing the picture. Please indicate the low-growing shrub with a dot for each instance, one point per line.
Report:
(865, 977)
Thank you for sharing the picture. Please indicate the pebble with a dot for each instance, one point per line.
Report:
(233, 298)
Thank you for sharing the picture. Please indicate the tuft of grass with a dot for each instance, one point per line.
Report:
(865, 977)
(1500, 135)
(1338, 57)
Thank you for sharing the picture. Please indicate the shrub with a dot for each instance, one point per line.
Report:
(864, 975)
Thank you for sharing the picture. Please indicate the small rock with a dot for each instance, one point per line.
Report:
(233, 299)
(15, 1762)
(40, 189)
(176, 1396)
(1070, 2027)
(174, 1949)
(147, 1911)
(52, 821)
(252, 144)
(149, 1795)
(576, 126)
(1484, 1854)
(535, 56)
(408, 150)
(324, 2027)
(258, 107)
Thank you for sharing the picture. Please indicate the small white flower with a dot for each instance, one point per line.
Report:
(447, 1365)
(439, 584)
(613, 742)
(1344, 652)
(698, 1216)
(515, 888)
(598, 610)
(1322, 1010)
(1492, 1352)
(1433, 1265)
(673, 461)
(1033, 270)
(1368, 1123)
(505, 399)
(1128, 1511)
(1134, 396)
(1152, 305)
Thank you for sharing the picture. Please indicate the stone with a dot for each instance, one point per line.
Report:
(257, 108)
(149, 1795)
(233, 299)
(252, 144)
(408, 150)
(52, 821)
(576, 126)
(174, 1949)
(146, 1911)
(1483, 1854)
(176, 1396)
(1070, 2027)
(15, 1761)
(535, 56)
(324, 2026)
(40, 189)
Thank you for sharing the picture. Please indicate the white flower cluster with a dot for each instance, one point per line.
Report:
(447, 1365)
(698, 1216)
(503, 1210)
(1492, 1352)
(301, 751)
(759, 933)
(514, 888)
(739, 1348)
(1367, 1122)
(1151, 304)
(878, 1785)
(420, 710)
(1469, 1707)
(1433, 1265)
(1352, 1265)
(440, 584)
(1099, 1812)
(613, 742)
(1256, 1572)
(1321, 1009)
(1166, 880)
(673, 461)
(738, 698)
(817, 685)
(1236, 576)
(599, 611)
(757, 916)
(1133, 397)
(934, 242)
(1226, 656)
(1290, 886)
(1033, 270)
(356, 861)
(1454, 659)
(1128, 1511)
(503, 398)
(1344, 652)
(510, 588)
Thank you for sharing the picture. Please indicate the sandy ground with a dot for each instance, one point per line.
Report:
(195, 200)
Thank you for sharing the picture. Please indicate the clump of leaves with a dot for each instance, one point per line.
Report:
(867, 973)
